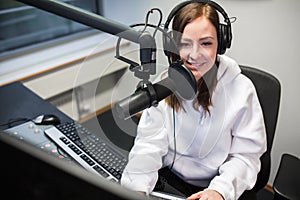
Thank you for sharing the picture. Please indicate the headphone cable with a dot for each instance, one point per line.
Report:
(174, 132)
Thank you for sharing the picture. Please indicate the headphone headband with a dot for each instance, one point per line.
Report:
(181, 5)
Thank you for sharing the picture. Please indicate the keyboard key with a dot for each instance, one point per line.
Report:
(75, 149)
(65, 140)
(101, 171)
(87, 159)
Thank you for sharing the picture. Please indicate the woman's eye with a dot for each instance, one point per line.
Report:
(184, 45)
(206, 43)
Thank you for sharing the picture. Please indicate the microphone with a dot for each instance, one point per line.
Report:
(180, 81)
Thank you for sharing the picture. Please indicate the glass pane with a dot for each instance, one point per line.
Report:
(22, 25)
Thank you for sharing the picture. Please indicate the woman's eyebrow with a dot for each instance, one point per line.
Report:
(207, 37)
(187, 39)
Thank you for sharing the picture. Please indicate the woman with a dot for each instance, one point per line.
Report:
(211, 144)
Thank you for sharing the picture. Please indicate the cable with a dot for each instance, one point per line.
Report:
(135, 25)
(174, 132)
(12, 121)
(147, 19)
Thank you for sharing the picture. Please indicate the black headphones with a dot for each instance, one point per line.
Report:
(224, 32)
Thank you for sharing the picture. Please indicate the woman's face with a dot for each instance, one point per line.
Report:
(198, 46)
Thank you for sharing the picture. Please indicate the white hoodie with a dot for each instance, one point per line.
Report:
(220, 150)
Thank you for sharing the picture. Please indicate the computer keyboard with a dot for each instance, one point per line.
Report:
(93, 153)
(90, 151)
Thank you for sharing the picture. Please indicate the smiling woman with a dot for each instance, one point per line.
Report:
(208, 147)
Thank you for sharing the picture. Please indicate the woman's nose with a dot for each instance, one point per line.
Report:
(195, 52)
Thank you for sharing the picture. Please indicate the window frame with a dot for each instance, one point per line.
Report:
(54, 41)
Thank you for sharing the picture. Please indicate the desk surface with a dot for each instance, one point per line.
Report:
(17, 101)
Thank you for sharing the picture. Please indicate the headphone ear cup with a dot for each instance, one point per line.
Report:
(228, 36)
(222, 39)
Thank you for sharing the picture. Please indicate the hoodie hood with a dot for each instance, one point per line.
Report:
(228, 69)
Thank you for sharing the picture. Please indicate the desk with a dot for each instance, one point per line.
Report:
(17, 101)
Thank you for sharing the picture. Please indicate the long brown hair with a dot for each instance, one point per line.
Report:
(206, 83)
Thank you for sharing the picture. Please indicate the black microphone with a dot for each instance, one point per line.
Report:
(180, 81)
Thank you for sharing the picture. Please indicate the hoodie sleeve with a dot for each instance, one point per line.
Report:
(145, 158)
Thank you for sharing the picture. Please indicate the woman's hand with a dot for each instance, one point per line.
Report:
(142, 193)
(206, 195)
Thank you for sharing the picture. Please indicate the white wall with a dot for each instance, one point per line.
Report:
(265, 35)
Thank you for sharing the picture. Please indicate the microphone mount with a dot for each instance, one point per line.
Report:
(143, 72)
